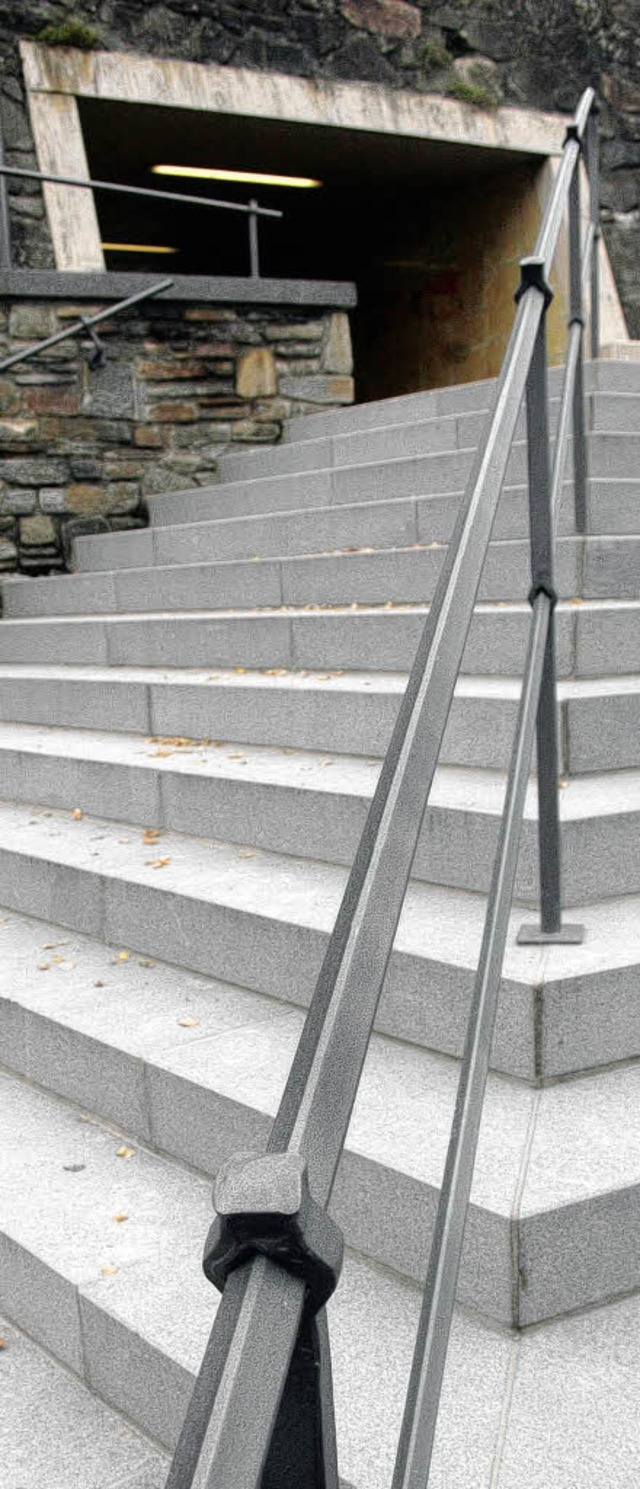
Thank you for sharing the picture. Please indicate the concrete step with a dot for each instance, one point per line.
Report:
(595, 638)
(612, 509)
(306, 804)
(610, 455)
(261, 920)
(352, 713)
(389, 440)
(204, 1088)
(593, 567)
(79, 1442)
(133, 1312)
(605, 376)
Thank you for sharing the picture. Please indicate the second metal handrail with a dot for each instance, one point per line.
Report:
(85, 324)
(251, 209)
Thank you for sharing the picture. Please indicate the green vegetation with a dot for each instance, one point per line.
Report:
(434, 56)
(70, 33)
(477, 88)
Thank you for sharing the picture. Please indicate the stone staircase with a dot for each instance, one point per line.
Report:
(191, 730)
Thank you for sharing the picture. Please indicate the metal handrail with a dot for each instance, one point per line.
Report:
(85, 324)
(261, 1414)
(250, 209)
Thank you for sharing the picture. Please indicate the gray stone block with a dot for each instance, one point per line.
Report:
(78, 1441)
(198, 587)
(36, 1295)
(98, 702)
(110, 392)
(74, 594)
(132, 550)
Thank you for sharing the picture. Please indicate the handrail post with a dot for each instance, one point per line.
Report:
(576, 319)
(5, 221)
(593, 170)
(551, 928)
(254, 256)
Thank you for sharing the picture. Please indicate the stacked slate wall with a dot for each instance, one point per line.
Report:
(180, 385)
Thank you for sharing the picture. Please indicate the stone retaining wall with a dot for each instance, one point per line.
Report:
(180, 384)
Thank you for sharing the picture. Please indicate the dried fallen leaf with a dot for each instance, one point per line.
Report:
(236, 757)
(157, 863)
(162, 754)
(123, 956)
(98, 984)
(563, 783)
(125, 1152)
(108, 1271)
(3, 1342)
(147, 962)
(77, 814)
(51, 945)
(151, 834)
(247, 853)
(44, 966)
(120, 1217)
(188, 1023)
(275, 671)
(240, 670)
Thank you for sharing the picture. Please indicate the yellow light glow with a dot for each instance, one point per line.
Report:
(137, 248)
(251, 178)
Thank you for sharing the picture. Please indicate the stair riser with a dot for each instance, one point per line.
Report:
(412, 476)
(581, 1022)
(380, 524)
(368, 579)
(591, 644)
(608, 377)
(596, 733)
(612, 456)
(606, 412)
(457, 847)
(389, 442)
(613, 508)
(385, 1215)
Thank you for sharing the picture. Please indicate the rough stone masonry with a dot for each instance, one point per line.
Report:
(180, 384)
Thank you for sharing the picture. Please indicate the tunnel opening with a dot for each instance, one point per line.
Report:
(430, 231)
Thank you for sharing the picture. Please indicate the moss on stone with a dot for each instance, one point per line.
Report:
(70, 33)
(434, 56)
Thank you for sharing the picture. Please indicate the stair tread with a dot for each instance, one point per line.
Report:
(241, 1044)
(456, 788)
(287, 680)
(153, 1313)
(79, 1440)
(437, 921)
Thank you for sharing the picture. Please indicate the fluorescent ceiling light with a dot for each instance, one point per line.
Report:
(137, 248)
(251, 178)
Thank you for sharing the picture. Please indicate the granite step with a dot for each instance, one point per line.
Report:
(595, 638)
(197, 1072)
(303, 803)
(389, 439)
(594, 567)
(131, 1313)
(612, 509)
(610, 455)
(348, 712)
(261, 920)
(602, 376)
(79, 1442)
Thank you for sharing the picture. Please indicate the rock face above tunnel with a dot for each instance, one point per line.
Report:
(544, 60)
